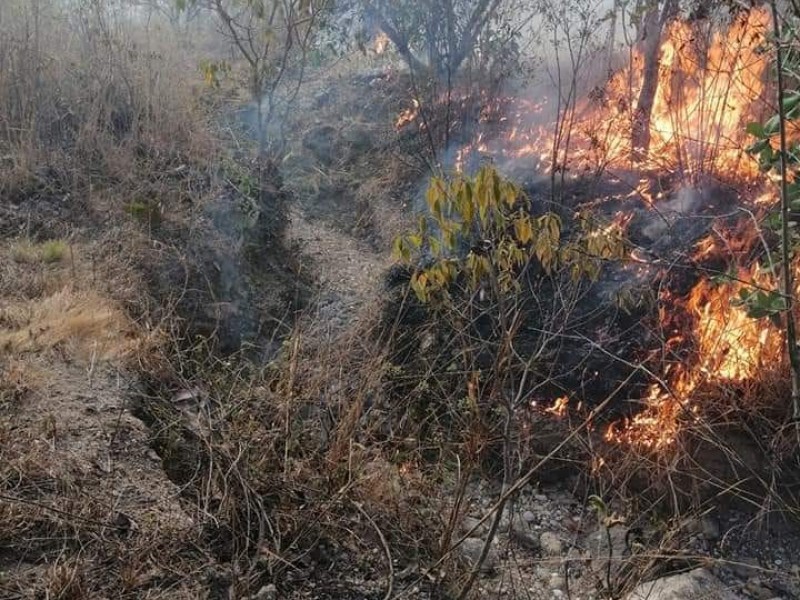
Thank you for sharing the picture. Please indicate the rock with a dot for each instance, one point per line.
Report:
(321, 141)
(709, 527)
(745, 567)
(521, 533)
(756, 588)
(358, 139)
(471, 549)
(268, 592)
(473, 526)
(601, 554)
(528, 516)
(692, 585)
(551, 544)
(556, 581)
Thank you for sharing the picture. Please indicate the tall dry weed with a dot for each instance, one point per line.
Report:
(89, 94)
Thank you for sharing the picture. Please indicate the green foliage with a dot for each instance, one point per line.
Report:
(49, 252)
(481, 231)
(53, 251)
(766, 149)
(762, 303)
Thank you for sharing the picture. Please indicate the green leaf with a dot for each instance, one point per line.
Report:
(772, 126)
(755, 129)
(757, 147)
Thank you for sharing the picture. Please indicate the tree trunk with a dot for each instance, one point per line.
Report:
(653, 25)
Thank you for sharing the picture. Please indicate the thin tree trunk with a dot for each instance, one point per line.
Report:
(654, 24)
(612, 37)
(788, 285)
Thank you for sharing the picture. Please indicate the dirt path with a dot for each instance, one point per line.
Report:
(348, 271)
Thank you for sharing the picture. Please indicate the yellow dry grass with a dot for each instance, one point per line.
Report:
(81, 324)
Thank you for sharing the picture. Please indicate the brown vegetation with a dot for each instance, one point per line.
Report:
(172, 425)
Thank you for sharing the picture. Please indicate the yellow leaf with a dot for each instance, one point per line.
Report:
(523, 230)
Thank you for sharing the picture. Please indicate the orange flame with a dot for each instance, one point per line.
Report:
(710, 83)
(730, 347)
(408, 115)
(559, 407)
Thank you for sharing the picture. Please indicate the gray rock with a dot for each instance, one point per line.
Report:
(556, 581)
(473, 526)
(471, 549)
(745, 567)
(709, 527)
(600, 552)
(268, 592)
(522, 534)
(756, 588)
(692, 585)
(528, 516)
(551, 544)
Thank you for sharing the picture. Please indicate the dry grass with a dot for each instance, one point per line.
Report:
(28, 253)
(84, 325)
(120, 98)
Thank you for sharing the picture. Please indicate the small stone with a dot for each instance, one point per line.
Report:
(745, 568)
(473, 526)
(556, 581)
(540, 497)
(528, 516)
(471, 549)
(709, 527)
(551, 544)
(522, 535)
(268, 592)
(757, 590)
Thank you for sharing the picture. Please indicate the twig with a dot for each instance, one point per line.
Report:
(523, 480)
(386, 549)
(64, 513)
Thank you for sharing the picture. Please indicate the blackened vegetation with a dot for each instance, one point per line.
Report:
(586, 340)
(234, 281)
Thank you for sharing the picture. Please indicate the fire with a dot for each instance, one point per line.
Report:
(707, 85)
(380, 43)
(408, 115)
(559, 407)
(729, 347)
(710, 84)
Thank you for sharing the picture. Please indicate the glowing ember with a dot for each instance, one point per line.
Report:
(409, 115)
(559, 407)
